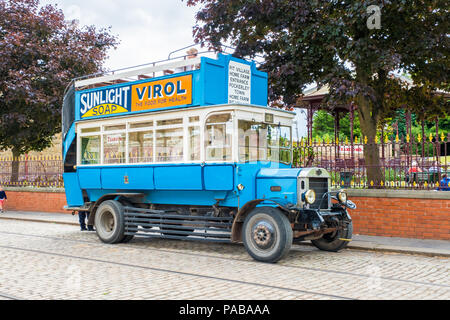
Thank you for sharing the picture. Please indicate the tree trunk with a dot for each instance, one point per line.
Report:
(368, 121)
(15, 165)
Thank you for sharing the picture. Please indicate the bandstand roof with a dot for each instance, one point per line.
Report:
(313, 97)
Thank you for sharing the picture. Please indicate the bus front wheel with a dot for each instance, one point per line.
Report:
(336, 240)
(110, 222)
(267, 234)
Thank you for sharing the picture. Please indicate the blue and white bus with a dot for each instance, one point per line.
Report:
(189, 149)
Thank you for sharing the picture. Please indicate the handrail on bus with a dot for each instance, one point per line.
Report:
(133, 73)
(192, 45)
(160, 63)
(68, 86)
(106, 77)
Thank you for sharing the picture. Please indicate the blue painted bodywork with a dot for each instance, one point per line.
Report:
(284, 179)
(186, 184)
(74, 195)
(196, 184)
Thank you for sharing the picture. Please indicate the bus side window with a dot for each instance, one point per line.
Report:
(90, 149)
(114, 148)
(169, 145)
(261, 141)
(285, 144)
(218, 133)
(140, 146)
(194, 143)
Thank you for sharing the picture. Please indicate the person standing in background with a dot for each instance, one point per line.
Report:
(82, 216)
(191, 54)
(445, 183)
(2, 199)
(413, 172)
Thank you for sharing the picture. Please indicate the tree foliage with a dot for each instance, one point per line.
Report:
(324, 122)
(329, 42)
(40, 53)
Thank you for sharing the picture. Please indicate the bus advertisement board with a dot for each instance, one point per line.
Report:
(147, 95)
(162, 93)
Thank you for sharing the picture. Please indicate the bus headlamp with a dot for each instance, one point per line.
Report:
(342, 196)
(310, 196)
(240, 187)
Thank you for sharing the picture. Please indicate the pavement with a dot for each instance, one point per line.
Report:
(361, 242)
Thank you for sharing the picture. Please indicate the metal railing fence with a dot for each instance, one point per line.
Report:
(36, 171)
(410, 163)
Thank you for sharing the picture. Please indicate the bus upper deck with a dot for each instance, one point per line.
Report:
(200, 81)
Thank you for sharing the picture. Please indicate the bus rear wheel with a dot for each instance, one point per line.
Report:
(267, 234)
(110, 222)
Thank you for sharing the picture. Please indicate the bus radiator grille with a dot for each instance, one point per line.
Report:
(320, 187)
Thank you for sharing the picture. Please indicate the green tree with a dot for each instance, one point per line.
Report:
(40, 53)
(323, 126)
(399, 120)
(334, 42)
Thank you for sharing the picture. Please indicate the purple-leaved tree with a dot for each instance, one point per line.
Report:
(40, 52)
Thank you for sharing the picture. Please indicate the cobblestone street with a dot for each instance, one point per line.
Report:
(53, 261)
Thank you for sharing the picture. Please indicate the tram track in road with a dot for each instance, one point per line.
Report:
(345, 273)
(9, 297)
(136, 266)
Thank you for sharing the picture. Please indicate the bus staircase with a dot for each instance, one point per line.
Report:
(171, 225)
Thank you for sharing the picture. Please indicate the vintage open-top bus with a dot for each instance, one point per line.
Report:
(188, 149)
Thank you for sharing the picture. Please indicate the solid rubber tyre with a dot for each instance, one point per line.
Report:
(267, 234)
(127, 238)
(331, 242)
(110, 222)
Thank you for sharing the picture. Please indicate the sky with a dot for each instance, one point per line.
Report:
(148, 30)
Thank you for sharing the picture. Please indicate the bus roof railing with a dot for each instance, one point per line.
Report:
(145, 71)
(134, 73)
(152, 71)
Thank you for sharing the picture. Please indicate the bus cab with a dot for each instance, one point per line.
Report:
(190, 150)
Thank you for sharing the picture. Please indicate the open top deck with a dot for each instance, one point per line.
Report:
(199, 81)
(168, 85)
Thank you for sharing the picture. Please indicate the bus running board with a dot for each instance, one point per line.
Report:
(168, 225)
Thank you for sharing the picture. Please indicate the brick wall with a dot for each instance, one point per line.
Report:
(40, 201)
(406, 218)
(390, 213)
(422, 215)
